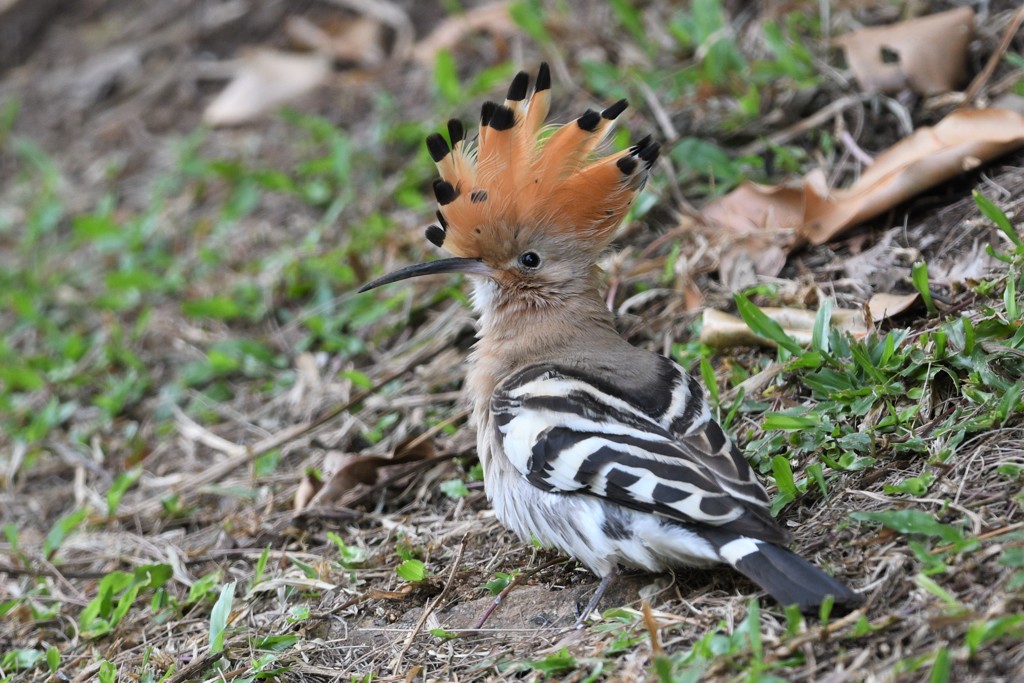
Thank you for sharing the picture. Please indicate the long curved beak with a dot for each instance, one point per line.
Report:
(472, 266)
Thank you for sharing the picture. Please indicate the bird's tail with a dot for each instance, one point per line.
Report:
(786, 576)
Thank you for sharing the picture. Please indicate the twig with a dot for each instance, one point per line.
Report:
(61, 579)
(855, 149)
(49, 572)
(652, 630)
(800, 127)
(818, 634)
(429, 609)
(435, 429)
(196, 667)
(193, 431)
(980, 537)
(413, 468)
(243, 455)
(985, 74)
(671, 135)
(508, 589)
(660, 115)
(991, 347)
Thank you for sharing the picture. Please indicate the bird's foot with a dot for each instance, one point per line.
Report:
(606, 581)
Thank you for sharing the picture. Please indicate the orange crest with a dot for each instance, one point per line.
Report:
(514, 177)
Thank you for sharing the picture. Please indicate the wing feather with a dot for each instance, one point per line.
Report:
(654, 449)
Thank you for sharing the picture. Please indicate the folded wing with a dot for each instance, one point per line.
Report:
(653, 448)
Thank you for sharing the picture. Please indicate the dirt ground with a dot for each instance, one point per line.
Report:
(112, 92)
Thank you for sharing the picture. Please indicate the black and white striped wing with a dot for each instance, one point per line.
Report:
(652, 448)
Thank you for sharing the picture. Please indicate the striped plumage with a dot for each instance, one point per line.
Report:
(658, 482)
(589, 444)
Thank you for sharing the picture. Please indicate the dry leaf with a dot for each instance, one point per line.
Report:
(960, 142)
(265, 79)
(721, 330)
(400, 593)
(302, 583)
(493, 18)
(346, 470)
(765, 220)
(794, 213)
(928, 55)
(883, 305)
(755, 208)
(308, 488)
(356, 41)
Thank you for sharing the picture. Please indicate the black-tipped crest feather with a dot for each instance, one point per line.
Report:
(502, 118)
(486, 111)
(456, 131)
(589, 120)
(644, 141)
(611, 113)
(543, 78)
(435, 235)
(445, 192)
(520, 84)
(437, 146)
(626, 164)
(513, 172)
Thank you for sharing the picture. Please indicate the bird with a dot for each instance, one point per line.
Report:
(603, 450)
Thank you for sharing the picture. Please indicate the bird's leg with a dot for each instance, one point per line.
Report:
(606, 581)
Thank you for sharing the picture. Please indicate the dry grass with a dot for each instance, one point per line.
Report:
(222, 457)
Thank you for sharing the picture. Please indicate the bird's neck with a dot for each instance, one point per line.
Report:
(515, 332)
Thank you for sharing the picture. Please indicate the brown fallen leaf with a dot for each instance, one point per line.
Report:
(791, 214)
(754, 208)
(309, 486)
(355, 41)
(883, 305)
(264, 80)
(765, 220)
(400, 593)
(927, 55)
(493, 18)
(959, 143)
(346, 470)
(722, 330)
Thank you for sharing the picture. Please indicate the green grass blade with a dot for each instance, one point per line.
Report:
(920, 277)
(819, 335)
(940, 667)
(763, 326)
(996, 215)
(219, 617)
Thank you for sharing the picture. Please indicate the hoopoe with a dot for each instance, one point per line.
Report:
(603, 450)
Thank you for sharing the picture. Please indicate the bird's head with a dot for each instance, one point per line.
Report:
(526, 207)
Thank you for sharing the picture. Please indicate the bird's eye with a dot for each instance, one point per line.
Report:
(529, 259)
